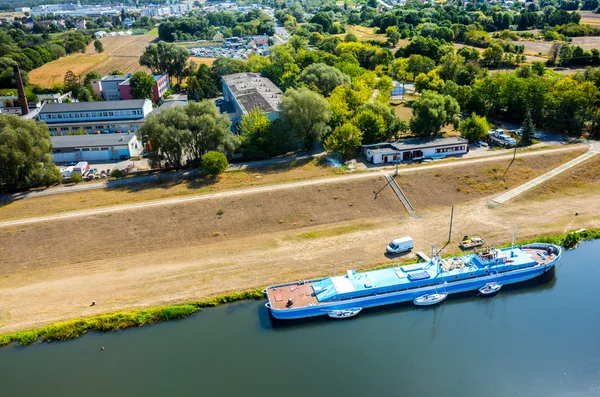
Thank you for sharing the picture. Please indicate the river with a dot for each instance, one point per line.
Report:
(538, 339)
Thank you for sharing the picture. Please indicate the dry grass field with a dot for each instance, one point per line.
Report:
(193, 250)
(120, 53)
(363, 33)
(200, 60)
(587, 43)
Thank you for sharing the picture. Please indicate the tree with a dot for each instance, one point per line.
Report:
(431, 112)
(371, 126)
(25, 154)
(89, 76)
(527, 130)
(187, 132)
(430, 81)
(166, 57)
(142, 86)
(418, 64)
(392, 34)
(474, 128)
(344, 140)
(71, 82)
(492, 56)
(306, 113)
(98, 46)
(324, 77)
(214, 163)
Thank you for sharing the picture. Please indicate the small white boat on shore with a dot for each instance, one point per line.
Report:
(347, 313)
(490, 288)
(430, 299)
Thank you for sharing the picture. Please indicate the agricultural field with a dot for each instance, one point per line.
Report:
(589, 18)
(120, 52)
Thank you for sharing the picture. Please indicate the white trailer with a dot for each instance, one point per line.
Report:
(81, 168)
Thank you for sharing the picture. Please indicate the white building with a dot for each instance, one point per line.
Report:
(415, 149)
(95, 147)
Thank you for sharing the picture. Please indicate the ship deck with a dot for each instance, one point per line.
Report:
(539, 255)
(303, 296)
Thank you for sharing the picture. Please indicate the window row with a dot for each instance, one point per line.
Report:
(77, 115)
(450, 149)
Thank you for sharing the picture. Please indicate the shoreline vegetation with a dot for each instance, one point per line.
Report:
(71, 329)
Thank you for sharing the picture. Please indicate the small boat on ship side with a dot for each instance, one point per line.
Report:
(348, 313)
(430, 299)
(339, 296)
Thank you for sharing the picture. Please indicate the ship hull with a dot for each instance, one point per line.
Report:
(456, 287)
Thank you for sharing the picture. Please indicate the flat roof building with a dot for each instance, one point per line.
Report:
(105, 117)
(249, 90)
(415, 149)
(95, 147)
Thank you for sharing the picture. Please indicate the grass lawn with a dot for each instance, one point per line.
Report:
(153, 32)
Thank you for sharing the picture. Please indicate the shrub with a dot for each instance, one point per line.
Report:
(117, 174)
(214, 163)
(75, 178)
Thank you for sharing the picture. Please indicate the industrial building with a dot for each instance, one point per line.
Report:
(415, 149)
(249, 90)
(95, 117)
(108, 86)
(95, 147)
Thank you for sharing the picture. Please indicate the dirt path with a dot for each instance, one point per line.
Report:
(270, 188)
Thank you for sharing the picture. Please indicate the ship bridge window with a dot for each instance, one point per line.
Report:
(471, 274)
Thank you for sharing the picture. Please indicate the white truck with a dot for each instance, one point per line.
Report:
(81, 168)
(66, 173)
(399, 245)
(501, 138)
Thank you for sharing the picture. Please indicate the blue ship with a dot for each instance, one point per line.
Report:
(352, 291)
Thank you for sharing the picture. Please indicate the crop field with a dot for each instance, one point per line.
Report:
(589, 18)
(120, 52)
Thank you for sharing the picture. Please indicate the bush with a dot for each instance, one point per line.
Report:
(75, 178)
(117, 174)
(214, 163)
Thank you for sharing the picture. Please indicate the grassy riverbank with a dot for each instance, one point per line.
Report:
(120, 320)
(138, 318)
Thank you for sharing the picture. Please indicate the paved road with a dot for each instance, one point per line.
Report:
(112, 183)
(594, 150)
(337, 179)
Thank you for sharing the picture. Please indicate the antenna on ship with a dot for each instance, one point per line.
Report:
(512, 245)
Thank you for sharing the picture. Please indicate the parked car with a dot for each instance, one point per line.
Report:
(481, 144)
(400, 245)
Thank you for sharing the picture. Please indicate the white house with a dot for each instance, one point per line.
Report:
(415, 149)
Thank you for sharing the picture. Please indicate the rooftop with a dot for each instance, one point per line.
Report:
(91, 140)
(251, 90)
(92, 106)
(119, 77)
(415, 143)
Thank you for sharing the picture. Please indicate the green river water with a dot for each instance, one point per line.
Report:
(537, 339)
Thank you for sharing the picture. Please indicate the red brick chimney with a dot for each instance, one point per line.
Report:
(21, 90)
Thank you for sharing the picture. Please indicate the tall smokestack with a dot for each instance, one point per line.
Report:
(21, 90)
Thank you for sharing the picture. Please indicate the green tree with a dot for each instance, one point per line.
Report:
(371, 126)
(166, 57)
(71, 82)
(259, 141)
(89, 76)
(430, 81)
(527, 130)
(392, 34)
(431, 112)
(418, 64)
(306, 113)
(492, 56)
(474, 128)
(142, 85)
(344, 140)
(75, 178)
(98, 46)
(25, 154)
(214, 163)
(324, 77)
(298, 43)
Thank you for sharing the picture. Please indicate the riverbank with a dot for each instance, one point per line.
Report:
(138, 318)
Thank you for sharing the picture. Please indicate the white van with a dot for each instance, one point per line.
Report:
(399, 245)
